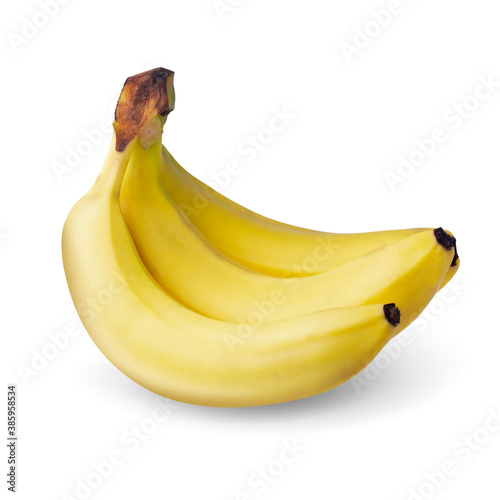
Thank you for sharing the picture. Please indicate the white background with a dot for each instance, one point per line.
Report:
(381, 436)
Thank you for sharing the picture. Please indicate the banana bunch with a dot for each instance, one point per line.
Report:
(203, 301)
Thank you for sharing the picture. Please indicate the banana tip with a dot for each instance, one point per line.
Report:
(447, 241)
(392, 314)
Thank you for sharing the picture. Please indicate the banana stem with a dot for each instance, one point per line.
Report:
(145, 101)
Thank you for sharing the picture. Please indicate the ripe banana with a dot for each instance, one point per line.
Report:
(264, 244)
(182, 355)
(408, 270)
(151, 332)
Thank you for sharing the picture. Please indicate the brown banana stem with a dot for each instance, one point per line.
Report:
(143, 97)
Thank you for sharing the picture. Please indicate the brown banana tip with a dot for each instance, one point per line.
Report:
(448, 242)
(392, 314)
(143, 96)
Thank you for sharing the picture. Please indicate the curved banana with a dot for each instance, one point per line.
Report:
(263, 244)
(408, 271)
(182, 355)
(171, 349)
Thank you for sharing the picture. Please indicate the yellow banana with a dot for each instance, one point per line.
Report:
(264, 244)
(187, 266)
